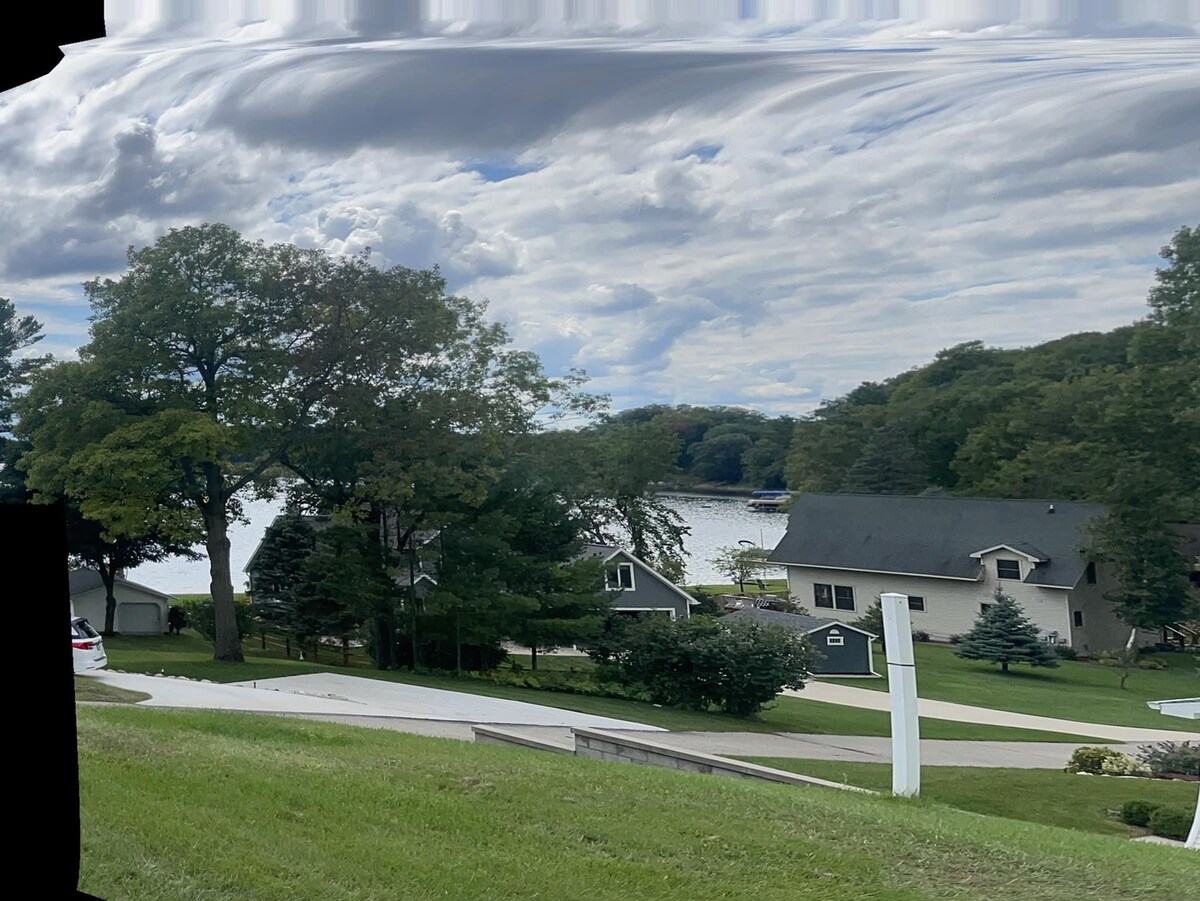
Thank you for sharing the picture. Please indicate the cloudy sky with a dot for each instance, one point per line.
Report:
(761, 210)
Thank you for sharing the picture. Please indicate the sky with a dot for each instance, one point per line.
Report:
(761, 203)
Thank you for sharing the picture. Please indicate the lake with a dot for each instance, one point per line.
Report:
(715, 522)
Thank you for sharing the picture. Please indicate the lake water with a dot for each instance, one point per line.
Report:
(715, 522)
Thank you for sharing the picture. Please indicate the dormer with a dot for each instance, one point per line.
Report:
(1010, 562)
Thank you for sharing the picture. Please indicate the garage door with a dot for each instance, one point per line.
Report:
(139, 619)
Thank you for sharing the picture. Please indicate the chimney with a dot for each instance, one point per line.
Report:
(1050, 509)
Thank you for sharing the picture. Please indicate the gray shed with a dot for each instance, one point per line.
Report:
(845, 649)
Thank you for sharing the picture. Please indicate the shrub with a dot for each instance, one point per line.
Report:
(1137, 813)
(955, 639)
(1124, 765)
(920, 635)
(1066, 652)
(703, 662)
(1171, 822)
(1091, 760)
(200, 617)
(1151, 663)
(1167, 758)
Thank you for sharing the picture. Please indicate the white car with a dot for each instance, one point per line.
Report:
(86, 646)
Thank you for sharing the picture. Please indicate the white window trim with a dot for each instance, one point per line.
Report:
(619, 586)
(835, 641)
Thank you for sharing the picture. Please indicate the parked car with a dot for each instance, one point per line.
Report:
(86, 646)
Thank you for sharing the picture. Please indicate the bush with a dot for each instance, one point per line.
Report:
(1171, 822)
(1166, 758)
(1137, 813)
(1124, 765)
(568, 683)
(1151, 663)
(1091, 760)
(200, 616)
(1066, 652)
(955, 639)
(703, 662)
(920, 635)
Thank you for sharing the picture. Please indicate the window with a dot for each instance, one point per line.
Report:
(835, 641)
(843, 597)
(823, 595)
(1078, 615)
(1091, 574)
(621, 578)
(916, 602)
(1008, 569)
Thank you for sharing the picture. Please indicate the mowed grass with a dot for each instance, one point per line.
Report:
(190, 655)
(223, 806)
(1076, 690)
(90, 690)
(1050, 797)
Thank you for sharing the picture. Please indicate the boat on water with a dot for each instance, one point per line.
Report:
(768, 500)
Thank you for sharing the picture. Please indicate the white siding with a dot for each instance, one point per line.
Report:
(951, 606)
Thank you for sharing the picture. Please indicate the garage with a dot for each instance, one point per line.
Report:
(141, 610)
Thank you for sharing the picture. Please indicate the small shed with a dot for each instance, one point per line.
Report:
(845, 650)
(140, 610)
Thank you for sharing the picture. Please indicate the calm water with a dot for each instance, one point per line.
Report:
(715, 523)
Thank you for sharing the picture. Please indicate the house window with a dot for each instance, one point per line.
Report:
(621, 578)
(843, 597)
(1091, 573)
(835, 641)
(1008, 569)
(1078, 615)
(823, 595)
(916, 602)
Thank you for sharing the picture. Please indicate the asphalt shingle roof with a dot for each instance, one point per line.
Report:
(935, 535)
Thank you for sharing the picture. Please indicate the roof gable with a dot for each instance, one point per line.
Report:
(798, 621)
(608, 553)
(82, 581)
(936, 536)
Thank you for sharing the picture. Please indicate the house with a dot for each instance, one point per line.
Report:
(949, 555)
(845, 650)
(140, 610)
(636, 586)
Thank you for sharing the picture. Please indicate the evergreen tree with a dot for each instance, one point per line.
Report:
(1004, 635)
(889, 464)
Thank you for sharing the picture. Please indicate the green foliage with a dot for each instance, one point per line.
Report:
(741, 564)
(700, 662)
(1168, 758)
(872, 621)
(1091, 760)
(1171, 822)
(1124, 765)
(567, 683)
(201, 617)
(1003, 634)
(1137, 813)
(17, 334)
(1065, 652)
(889, 464)
(1153, 577)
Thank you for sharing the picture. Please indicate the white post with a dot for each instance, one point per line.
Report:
(902, 686)
(1193, 839)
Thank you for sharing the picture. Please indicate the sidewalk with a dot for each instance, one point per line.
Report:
(848, 696)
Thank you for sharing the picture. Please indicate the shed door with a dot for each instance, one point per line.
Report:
(139, 619)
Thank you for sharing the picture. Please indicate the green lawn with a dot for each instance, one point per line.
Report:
(187, 805)
(774, 586)
(1037, 796)
(90, 690)
(1076, 690)
(190, 655)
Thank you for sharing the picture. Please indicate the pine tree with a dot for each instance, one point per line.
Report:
(1004, 635)
(889, 464)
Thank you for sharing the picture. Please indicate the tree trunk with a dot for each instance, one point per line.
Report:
(263, 639)
(228, 644)
(316, 649)
(384, 643)
(412, 602)
(345, 650)
(1004, 666)
(533, 657)
(108, 576)
(287, 645)
(458, 640)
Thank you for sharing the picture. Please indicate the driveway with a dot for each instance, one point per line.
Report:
(865, 698)
(353, 698)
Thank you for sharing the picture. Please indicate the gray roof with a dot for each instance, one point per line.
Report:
(795, 621)
(84, 580)
(935, 535)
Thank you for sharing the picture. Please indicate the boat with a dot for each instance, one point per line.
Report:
(768, 500)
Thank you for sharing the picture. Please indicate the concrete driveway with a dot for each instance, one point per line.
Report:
(353, 697)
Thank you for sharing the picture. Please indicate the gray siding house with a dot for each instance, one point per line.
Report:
(949, 555)
(636, 586)
(845, 650)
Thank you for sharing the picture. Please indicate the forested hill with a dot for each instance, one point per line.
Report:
(1112, 416)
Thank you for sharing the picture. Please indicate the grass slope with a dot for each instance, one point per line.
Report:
(1076, 690)
(214, 806)
(1036, 796)
(90, 690)
(190, 655)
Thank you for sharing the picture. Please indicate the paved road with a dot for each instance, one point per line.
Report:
(333, 695)
(849, 696)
